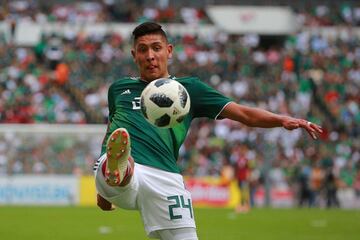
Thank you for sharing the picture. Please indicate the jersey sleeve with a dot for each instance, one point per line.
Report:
(111, 102)
(111, 105)
(205, 100)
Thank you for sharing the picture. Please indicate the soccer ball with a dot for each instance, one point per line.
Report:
(165, 103)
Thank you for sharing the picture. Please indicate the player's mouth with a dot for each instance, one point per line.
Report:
(152, 67)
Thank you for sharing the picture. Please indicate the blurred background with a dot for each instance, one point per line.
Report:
(299, 58)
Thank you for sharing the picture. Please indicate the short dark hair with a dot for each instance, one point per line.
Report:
(148, 28)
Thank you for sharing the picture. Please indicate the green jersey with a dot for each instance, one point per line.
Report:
(150, 145)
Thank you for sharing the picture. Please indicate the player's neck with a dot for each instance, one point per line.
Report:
(150, 80)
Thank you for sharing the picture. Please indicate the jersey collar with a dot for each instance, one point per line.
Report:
(142, 80)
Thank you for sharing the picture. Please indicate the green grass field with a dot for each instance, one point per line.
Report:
(67, 223)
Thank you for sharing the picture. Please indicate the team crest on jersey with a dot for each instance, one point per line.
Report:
(136, 103)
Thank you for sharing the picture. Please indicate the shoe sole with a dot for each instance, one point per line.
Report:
(118, 152)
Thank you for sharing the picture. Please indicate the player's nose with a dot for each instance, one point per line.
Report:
(150, 55)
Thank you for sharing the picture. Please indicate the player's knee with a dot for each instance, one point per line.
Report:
(178, 234)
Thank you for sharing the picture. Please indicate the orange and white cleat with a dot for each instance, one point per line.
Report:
(118, 152)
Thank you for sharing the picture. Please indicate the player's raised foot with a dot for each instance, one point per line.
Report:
(118, 152)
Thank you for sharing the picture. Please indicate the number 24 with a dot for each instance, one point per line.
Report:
(179, 202)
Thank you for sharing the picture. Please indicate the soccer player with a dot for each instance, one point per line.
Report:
(137, 169)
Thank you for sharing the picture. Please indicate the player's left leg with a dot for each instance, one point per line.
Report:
(163, 201)
(178, 234)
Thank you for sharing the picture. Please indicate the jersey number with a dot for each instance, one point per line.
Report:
(179, 203)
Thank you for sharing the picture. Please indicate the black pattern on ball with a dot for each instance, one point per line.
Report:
(163, 121)
(183, 97)
(143, 107)
(161, 82)
(161, 100)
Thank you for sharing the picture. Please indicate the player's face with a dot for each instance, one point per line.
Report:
(151, 53)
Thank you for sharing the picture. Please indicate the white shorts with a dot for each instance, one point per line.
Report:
(160, 196)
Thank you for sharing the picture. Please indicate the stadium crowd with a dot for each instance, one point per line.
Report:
(308, 75)
(315, 13)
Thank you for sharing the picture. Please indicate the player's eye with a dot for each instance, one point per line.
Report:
(142, 49)
(157, 48)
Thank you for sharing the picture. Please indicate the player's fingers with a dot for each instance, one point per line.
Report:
(313, 129)
(312, 134)
(317, 128)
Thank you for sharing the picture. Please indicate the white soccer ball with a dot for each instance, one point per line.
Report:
(165, 103)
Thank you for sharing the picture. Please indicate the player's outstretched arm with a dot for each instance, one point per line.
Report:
(256, 117)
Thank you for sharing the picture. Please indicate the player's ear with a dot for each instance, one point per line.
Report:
(133, 54)
(170, 48)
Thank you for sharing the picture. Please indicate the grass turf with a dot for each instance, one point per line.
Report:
(59, 223)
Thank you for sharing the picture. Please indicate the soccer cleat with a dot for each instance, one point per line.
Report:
(118, 152)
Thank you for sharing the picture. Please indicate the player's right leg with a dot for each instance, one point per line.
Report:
(117, 165)
(115, 181)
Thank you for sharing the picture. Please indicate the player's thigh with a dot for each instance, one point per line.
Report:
(163, 201)
(178, 234)
(123, 197)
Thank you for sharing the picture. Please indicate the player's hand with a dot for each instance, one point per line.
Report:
(104, 204)
(293, 123)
